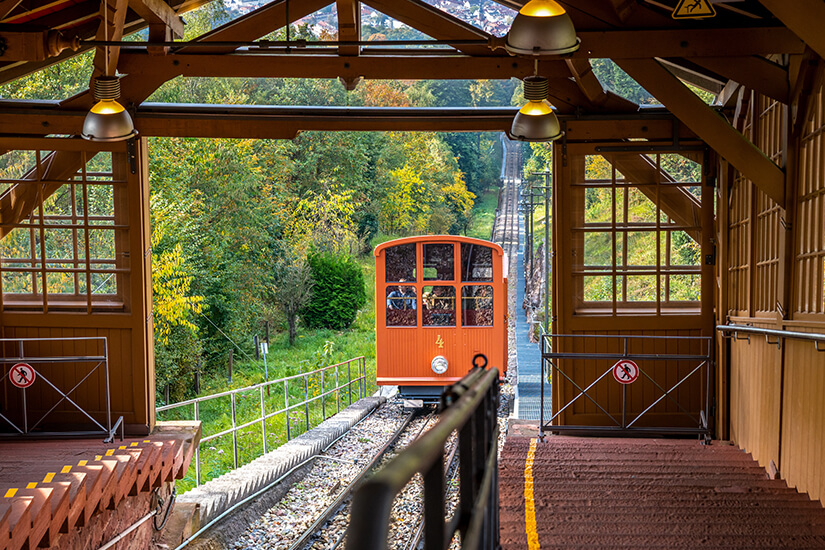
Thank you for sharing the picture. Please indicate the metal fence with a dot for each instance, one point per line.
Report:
(646, 366)
(471, 408)
(311, 388)
(24, 367)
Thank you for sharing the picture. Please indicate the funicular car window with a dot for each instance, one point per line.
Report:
(438, 306)
(476, 262)
(401, 306)
(477, 306)
(438, 262)
(399, 265)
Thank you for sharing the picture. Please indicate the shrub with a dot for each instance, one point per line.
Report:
(338, 293)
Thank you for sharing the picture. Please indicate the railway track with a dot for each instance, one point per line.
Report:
(314, 513)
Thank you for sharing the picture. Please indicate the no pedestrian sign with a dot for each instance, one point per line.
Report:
(22, 375)
(625, 371)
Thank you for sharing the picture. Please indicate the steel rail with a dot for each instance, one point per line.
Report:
(342, 497)
(814, 337)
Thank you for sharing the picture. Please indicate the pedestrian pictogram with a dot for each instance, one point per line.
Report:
(22, 375)
(693, 9)
(625, 371)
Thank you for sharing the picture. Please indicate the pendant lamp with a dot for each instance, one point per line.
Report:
(536, 121)
(542, 27)
(107, 120)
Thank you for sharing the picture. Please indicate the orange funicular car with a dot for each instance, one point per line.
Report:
(440, 300)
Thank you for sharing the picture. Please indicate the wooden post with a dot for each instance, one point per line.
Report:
(257, 347)
(266, 328)
(198, 379)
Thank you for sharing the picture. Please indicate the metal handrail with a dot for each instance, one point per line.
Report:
(471, 408)
(264, 387)
(816, 338)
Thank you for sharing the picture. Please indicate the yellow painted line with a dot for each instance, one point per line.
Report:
(529, 503)
(82, 462)
(49, 477)
(98, 457)
(133, 444)
(10, 493)
(122, 447)
(32, 485)
(146, 441)
(66, 470)
(110, 452)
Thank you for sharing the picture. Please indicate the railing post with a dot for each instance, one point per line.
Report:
(263, 417)
(286, 407)
(349, 380)
(323, 399)
(434, 528)
(337, 392)
(234, 430)
(197, 450)
(306, 401)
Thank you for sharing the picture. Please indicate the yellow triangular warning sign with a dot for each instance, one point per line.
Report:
(693, 9)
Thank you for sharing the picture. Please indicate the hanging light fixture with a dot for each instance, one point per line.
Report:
(107, 120)
(536, 121)
(542, 27)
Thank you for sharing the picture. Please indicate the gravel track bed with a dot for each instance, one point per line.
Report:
(284, 523)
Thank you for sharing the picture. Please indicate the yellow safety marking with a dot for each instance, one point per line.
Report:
(122, 447)
(32, 485)
(110, 452)
(10, 493)
(98, 457)
(82, 462)
(146, 441)
(49, 477)
(133, 444)
(66, 470)
(529, 503)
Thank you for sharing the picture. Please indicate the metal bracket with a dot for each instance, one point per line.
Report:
(778, 341)
(747, 337)
(816, 345)
(132, 155)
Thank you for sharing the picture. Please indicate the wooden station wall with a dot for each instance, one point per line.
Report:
(101, 213)
(603, 286)
(771, 276)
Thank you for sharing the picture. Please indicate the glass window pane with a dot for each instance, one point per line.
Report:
(598, 289)
(400, 263)
(476, 262)
(641, 248)
(598, 205)
(401, 306)
(439, 262)
(683, 249)
(640, 209)
(641, 288)
(438, 306)
(16, 282)
(685, 288)
(598, 249)
(477, 306)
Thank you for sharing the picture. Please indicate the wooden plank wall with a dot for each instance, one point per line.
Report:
(129, 331)
(777, 410)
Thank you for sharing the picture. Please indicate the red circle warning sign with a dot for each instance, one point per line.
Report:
(625, 371)
(22, 375)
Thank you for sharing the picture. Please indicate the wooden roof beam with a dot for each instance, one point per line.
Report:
(804, 18)
(112, 19)
(688, 72)
(755, 72)
(434, 23)
(689, 43)
(349, 25)
(7, 6)
(156, 12)
(589, 84)
(711, 127)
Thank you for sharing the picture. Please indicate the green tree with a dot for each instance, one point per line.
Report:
(339, 291)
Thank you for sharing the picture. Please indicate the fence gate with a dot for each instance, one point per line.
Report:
(627, 384)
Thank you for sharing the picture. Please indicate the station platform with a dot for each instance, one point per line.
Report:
(79, 493)
(577, 492)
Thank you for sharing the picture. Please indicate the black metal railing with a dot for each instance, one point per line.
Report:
(470, 406)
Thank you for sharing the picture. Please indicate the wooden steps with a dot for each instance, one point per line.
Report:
(52, 487)
(627, 493)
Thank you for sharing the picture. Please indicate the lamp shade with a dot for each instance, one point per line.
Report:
(536, 121)
(108, 120)
(542, 27)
